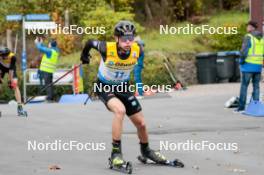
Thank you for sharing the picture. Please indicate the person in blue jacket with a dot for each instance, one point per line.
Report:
(138, 69)
(48, 64)
(251, 63)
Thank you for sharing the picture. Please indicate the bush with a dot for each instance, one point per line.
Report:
(66, 43)
(154, 72)
(105, 16)
(224, 42)
(6, 94)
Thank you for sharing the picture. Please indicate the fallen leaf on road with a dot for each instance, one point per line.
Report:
(54, 167)
(195, 167)
(239, 170)
(236, 151)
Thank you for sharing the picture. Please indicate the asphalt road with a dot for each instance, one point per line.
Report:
(195, 115)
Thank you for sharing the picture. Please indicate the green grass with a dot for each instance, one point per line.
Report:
(230, 17)
(74, 58)
(171, 43)
(175, 43)
(188, 43)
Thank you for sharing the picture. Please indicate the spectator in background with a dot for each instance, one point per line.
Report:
(36, 64)
(251, 63)
(48, 63)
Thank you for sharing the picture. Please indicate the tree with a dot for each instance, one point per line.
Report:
(221, 5)
(148, 10)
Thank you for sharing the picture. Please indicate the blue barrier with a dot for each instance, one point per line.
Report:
(37, 100)
(71, 98)
(255, 109)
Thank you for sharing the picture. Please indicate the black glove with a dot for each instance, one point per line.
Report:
(85, 59)
(1, 81)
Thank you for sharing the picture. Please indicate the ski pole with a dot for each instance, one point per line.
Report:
(86, 99)
(51, 84)
(168, 69)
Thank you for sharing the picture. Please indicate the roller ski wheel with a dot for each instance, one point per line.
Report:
(174, 163)
(125, 167)
(142, 159)
(22, 113)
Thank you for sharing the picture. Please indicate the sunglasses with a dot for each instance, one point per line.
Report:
(126, 38)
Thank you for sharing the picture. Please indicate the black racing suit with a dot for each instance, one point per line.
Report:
(127, 97)
(4, 69)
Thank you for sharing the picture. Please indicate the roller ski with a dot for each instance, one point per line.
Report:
(156, 157)
(20, 111)
(117, 163)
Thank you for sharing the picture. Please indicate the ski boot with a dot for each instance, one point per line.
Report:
(20, 111)
(158, 158)
(116, 162)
